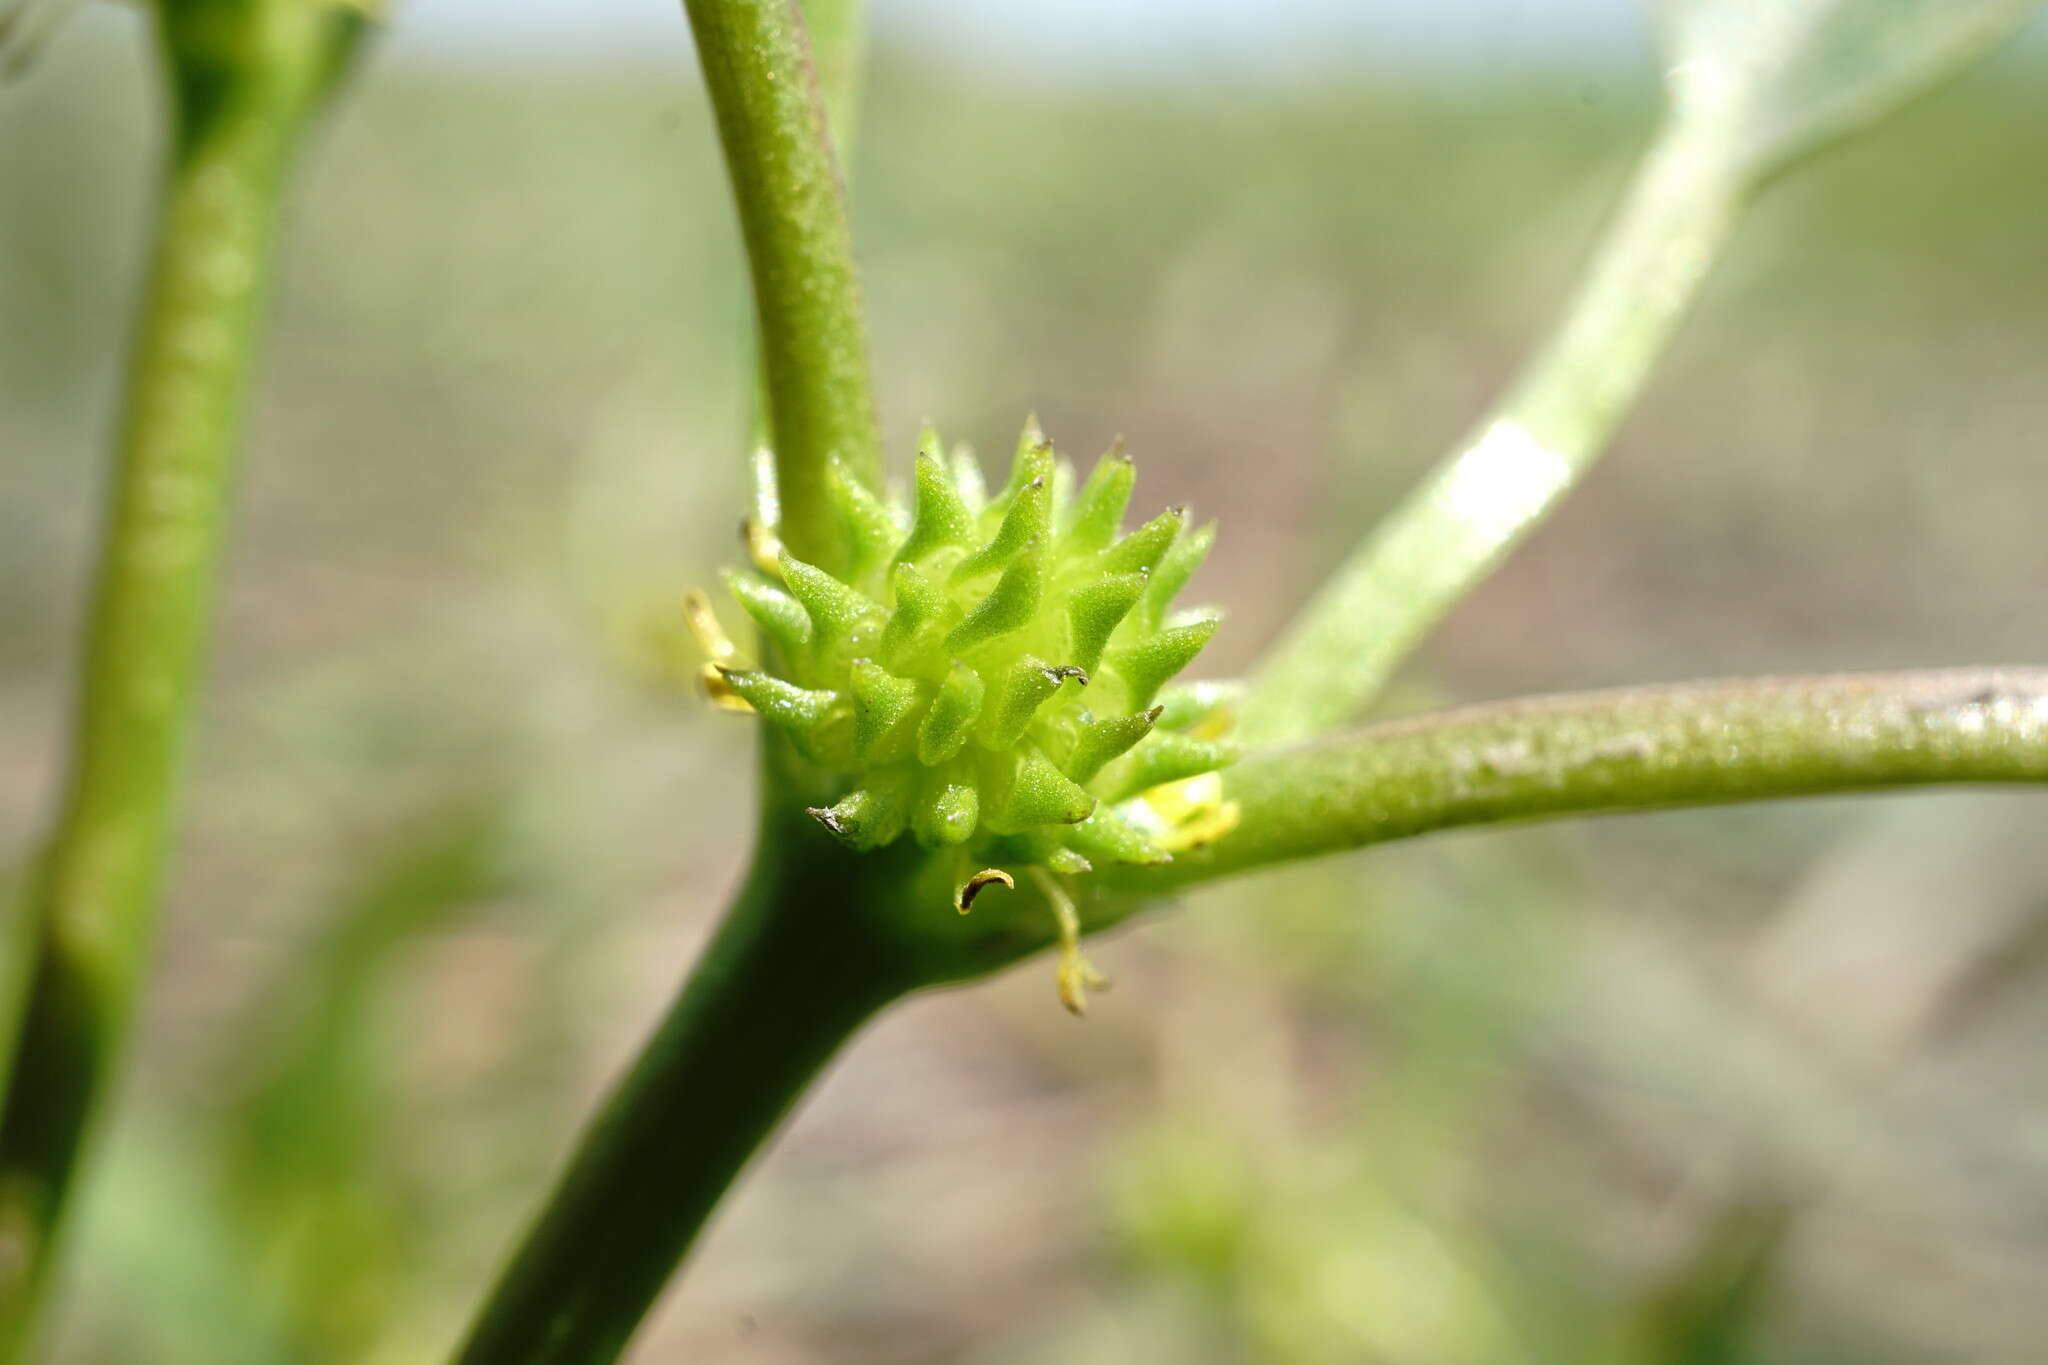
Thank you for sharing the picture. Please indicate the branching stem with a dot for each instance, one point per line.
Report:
(1625, 750)
(795, 968)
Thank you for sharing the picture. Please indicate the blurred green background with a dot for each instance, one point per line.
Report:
(1758, 1085)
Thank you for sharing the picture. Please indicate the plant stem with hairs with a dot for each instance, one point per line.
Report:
(246, 81)
(1628, 749)
(786, 183)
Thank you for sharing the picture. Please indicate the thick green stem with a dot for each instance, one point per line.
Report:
(796, 967)
(1623, 750)
(85, 922)
(757, 66)
(838, 54)
(1522, 458)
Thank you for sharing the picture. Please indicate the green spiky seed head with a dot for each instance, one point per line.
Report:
(993, 672)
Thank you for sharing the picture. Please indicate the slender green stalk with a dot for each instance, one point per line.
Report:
(1623, 750)
(764, 93)
(245, 82)
(797, 966)
(1751, 87)
(839, 55)
(1524, 455)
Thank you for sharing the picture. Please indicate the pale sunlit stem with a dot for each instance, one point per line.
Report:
(1521, 459)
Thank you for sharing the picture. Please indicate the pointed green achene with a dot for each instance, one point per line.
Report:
(872, 815)
(984, 676)
(1094, 613)
(944, 730)
(1172, 573)
(781, 617)
(1037, 793)
(790, 706)
(1032, 459)
(1023, 687)
(1109, 838)
(1101, 740)
(913, 643)
(871, 532)
(881, 703)
(1026, 520)
(1011, 606)
(1099, 510)
(1142, 548)
(1146, 665)
(835, 609)
(947, 813)
(941, 517)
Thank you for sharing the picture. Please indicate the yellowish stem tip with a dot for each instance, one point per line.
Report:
(763, 547)
(1077, 975)
(704, 627)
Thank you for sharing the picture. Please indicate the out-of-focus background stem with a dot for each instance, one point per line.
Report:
(1522, 457)
(244, 87)
(1751, 86)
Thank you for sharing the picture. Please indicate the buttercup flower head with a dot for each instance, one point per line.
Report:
(992, 673)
